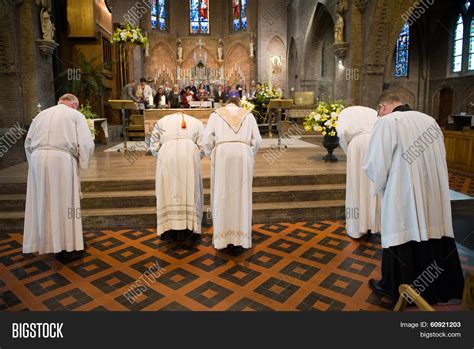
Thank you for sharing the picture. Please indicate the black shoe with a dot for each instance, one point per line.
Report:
(61, 256)
(375, 286)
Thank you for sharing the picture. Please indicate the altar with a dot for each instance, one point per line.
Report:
(153, 115)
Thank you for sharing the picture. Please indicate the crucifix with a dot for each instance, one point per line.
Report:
(200, 44)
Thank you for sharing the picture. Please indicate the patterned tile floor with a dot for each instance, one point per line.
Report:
(292, 267)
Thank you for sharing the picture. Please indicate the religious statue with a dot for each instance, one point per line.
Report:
(220, 51)
(339, 30)
(147, 50)
(47, 27)
(180, 50)
(252, 47)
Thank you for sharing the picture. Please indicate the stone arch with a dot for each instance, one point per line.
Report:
(319, 60)
(189, 58)
(275, 61)
(293, 68)
(238, 65)
(161, 54)
(442, 104)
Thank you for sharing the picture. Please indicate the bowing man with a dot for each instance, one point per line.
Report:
(176, 142)
(58, 143)
(406, 160)
(354, 128)
(232, 140)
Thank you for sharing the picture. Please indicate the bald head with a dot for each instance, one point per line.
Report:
(388, 102)
(69, 100)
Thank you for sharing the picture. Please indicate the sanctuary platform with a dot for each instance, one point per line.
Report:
(293, 185)
(119, 188)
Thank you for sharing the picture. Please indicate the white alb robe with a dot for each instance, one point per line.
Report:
(179, 189)
(232, 140)
(406, 160)
(58, 143)
(354, 128)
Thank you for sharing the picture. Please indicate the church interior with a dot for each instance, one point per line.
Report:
(303, 51)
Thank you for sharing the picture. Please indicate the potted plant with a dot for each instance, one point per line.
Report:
(88, 82)
(324, 119)
(90, 115)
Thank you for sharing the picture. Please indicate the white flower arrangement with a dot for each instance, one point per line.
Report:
(246, 104)
(324, 118)
(129, 33)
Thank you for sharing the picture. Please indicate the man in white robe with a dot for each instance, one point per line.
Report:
(176, 141)
(58, 143)
(354, 128)
(232, 140)
(406, 160)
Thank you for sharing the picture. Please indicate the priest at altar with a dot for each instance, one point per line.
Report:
(354, 128)
(232, 140)
(176, 142)
(406, 160)
(58, 143)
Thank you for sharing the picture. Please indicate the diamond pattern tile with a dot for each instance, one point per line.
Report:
(307, 266)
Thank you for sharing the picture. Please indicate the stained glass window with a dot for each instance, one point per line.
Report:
(458, 44)
(199, 16)
(158, 14)
(471, 47)
(402, 58)
(239, 14)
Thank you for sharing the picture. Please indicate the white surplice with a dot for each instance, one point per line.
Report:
(354, 128)
(406, 160)
(232, 140)
(58, 143)
(179, 189)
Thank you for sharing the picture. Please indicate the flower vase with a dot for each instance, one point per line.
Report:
(330, 143)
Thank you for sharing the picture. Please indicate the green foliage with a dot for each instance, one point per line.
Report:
(88, 112)
(87, 81)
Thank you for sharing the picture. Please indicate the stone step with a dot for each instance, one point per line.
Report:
(269, 181)
(146, 198)
(138, 217)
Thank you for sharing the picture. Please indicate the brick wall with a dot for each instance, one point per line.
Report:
(27, 77)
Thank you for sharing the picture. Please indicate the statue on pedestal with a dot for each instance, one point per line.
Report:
(339, 30)
(252, 47)
(47, 27)
(180, 50)
(220, 51)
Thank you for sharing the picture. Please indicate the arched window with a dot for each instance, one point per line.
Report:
(199, 16)
(159, 14)
(471, 47)
(402, 58)
(239, 11)
(458, 44)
